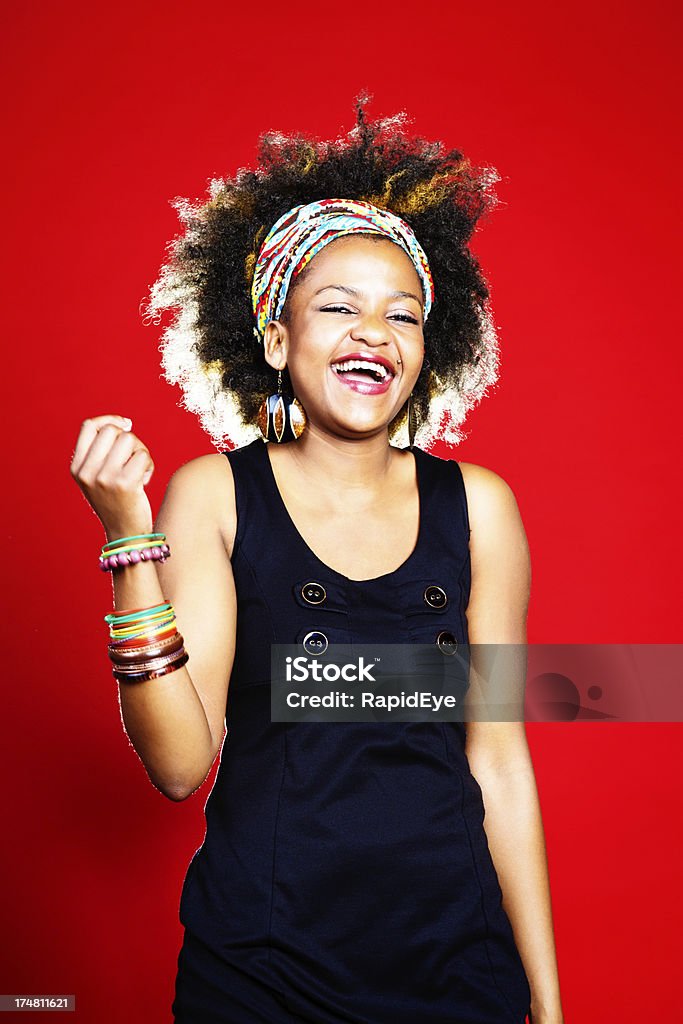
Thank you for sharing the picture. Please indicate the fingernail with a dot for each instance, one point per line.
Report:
(127, 423)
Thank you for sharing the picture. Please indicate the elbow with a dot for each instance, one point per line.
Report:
(179, 789)
(180, 786)
(176, 790)
(176, 795)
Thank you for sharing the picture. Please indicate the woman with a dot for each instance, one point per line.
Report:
(346, 874)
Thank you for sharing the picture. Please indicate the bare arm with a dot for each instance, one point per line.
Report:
(175, 722)
(497, 751)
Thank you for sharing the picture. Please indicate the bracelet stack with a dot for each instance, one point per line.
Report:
(145, 643)
(144, 547)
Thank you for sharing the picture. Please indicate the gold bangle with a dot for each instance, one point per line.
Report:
(128, 654)
(154, 674)
(142, 666)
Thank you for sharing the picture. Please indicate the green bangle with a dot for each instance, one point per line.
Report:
(115, 617)
(138, 536)
(153, 624)
(134, 547)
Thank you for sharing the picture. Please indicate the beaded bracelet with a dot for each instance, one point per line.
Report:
(134, 556)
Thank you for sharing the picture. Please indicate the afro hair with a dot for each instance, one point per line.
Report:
(209, 348)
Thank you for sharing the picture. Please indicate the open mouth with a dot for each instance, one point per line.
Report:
(364, 371)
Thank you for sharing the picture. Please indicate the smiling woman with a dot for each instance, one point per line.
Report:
(346, 876)
(357, 294)
(420, 188)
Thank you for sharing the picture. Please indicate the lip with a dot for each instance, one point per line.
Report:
(369, 387)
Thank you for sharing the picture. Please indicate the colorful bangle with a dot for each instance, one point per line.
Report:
(135, 614)
(130, 642)
(153, 650)
(138, 536)
(145, 633)
(152, 622)
(133, 556)
(151, 674)
(151, 663)
(144, 642)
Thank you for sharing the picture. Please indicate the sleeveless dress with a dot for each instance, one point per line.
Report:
(345, 875)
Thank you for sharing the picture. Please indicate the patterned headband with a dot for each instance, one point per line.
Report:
(302, 232)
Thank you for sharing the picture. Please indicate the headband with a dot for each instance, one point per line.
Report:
(302, 232)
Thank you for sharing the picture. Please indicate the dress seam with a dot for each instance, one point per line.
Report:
(513, 1018)
(275, 834)
(255, 580)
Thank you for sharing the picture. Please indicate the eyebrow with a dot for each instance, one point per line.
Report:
(358, 294)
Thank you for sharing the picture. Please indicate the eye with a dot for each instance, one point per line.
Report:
(336, 309)
(405, 318)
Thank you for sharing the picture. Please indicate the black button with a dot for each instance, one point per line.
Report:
(435, 597)
(313, 593)
(446, 642)
(315, 642)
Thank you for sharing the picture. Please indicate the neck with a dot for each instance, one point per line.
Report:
(337, 463)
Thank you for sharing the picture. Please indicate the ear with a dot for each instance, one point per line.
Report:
(276, 344)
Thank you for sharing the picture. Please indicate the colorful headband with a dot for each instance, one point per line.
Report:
(302, 232)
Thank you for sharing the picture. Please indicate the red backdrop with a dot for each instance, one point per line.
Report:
(113, 110)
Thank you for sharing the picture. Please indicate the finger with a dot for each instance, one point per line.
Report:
(88, 432)
(116, 457)
(97, 453)
(138, 469)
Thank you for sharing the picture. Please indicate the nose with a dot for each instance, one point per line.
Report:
(372, 328)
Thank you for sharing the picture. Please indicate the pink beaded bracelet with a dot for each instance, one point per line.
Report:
(120, 561)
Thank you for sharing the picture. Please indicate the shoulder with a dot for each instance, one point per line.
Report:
(204, 488)
(484, 485)
(212, 471)
(491, 501)
(498, 541)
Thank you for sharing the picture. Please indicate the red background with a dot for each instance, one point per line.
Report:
(113, 111)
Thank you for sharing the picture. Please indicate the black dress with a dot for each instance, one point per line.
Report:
(345, 875)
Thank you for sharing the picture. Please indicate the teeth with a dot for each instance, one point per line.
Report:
(362, 364)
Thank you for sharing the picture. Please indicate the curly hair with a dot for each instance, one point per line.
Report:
(209, 347)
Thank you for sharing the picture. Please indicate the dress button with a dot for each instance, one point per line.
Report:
(313, 593)
(435, 597)
(446, 642)
(315, 642)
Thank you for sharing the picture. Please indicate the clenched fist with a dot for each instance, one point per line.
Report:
(112, 467)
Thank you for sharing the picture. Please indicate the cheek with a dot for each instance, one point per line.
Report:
(308, 363)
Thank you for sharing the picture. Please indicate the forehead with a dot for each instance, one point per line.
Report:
(357, 256)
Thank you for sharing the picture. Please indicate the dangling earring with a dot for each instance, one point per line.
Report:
(412, 421)
(281, 418)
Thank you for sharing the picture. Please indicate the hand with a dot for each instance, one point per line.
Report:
(112, 468)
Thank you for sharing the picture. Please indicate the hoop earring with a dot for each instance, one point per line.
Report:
(412, 421)
(281, 418)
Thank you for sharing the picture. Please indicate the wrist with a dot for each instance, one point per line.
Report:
(546, 1016)
(117, 531)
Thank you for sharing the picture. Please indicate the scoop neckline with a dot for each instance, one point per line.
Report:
(417, 453)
